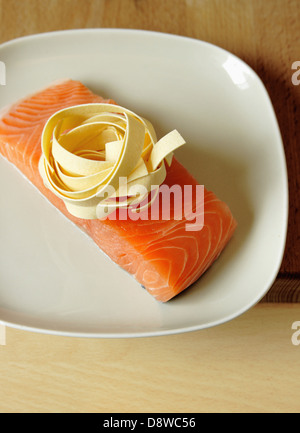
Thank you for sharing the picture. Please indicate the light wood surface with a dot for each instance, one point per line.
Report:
(249, 364)
(246, 365)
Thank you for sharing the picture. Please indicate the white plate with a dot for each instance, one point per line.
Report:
(53, 278)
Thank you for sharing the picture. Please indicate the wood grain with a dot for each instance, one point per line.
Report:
(247, 365)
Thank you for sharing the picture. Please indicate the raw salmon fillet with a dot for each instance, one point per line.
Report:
(161, 255)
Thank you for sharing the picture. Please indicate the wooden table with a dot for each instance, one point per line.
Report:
(249, 364)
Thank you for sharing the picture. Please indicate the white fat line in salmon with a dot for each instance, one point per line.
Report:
(162, 203)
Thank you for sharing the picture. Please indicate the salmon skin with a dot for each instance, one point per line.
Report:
(161, 254)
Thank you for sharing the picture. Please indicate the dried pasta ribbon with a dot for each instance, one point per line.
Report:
(87, 149)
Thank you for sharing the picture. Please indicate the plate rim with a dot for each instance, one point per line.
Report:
(284, 228)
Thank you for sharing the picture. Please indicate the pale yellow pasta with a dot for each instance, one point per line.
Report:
(95, 153)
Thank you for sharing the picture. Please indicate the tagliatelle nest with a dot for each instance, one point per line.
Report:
(87, 149)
